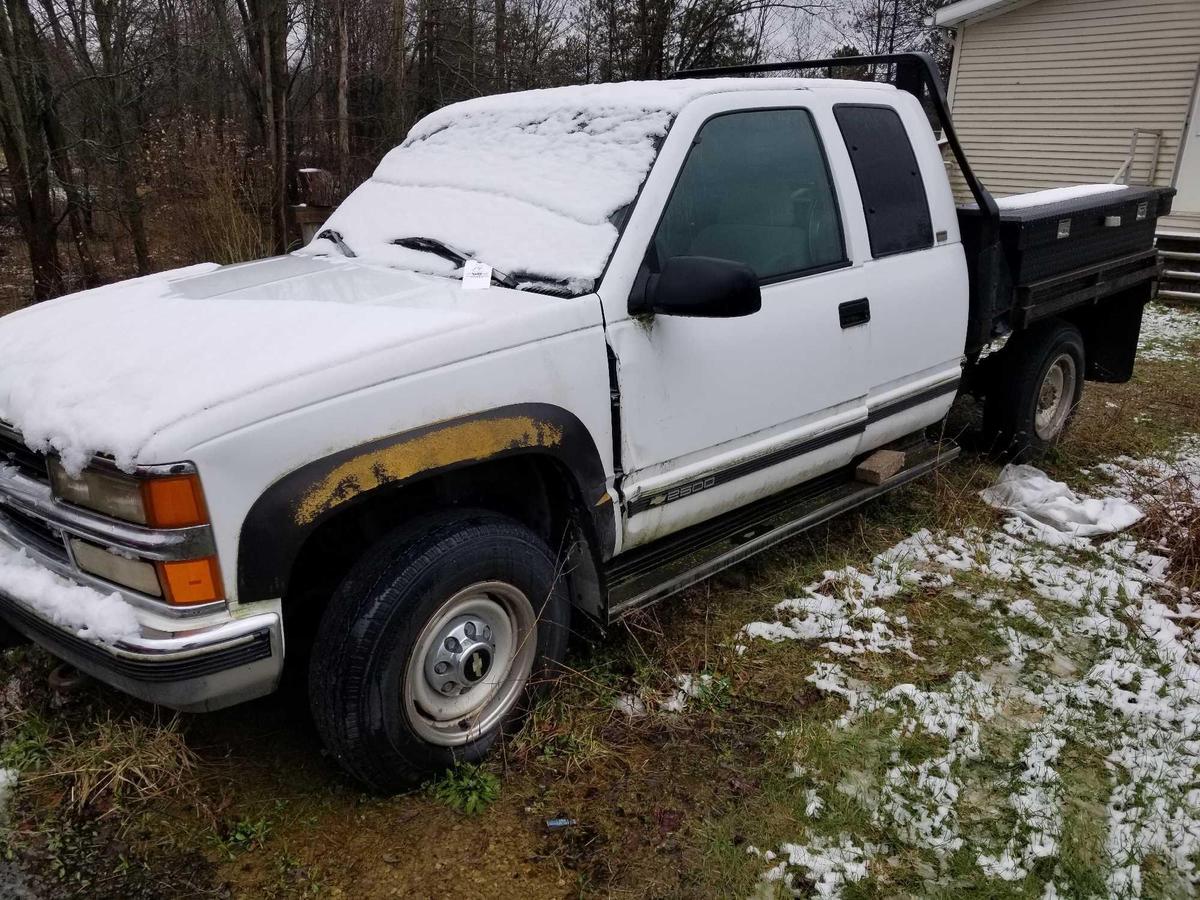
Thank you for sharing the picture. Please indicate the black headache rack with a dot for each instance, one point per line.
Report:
(1024, 264)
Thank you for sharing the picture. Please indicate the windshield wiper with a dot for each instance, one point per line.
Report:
(335, 238)
(454, 255)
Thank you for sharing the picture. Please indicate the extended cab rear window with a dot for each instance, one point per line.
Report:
(889, 180)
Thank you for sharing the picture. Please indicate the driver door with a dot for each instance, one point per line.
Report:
(716, 413)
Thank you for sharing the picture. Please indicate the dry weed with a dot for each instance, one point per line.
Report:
(116, 764)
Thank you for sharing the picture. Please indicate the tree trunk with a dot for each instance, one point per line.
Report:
(110, 41)
(471, 47)
(131, 206)
(269, 25)
(60, 159)
(399, 68)
(23, 140)
(343, 96)
(279, 75)
(249, 72)
(31, 196)
(500, 65)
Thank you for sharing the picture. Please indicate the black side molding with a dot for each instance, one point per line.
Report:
(877, 413)
(715, 477)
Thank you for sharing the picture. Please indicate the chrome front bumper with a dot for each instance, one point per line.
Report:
(191, 660)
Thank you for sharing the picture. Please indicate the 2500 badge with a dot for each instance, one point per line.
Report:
(685, 490)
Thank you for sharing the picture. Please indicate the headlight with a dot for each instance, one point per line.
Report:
(156, 501)
(170, 501)
(101, 492)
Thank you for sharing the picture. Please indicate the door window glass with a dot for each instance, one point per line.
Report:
(755, 189)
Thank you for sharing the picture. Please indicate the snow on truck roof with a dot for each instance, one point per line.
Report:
(529, 181)
(657, 95)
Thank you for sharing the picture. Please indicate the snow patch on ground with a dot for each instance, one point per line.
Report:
(1036, 801)
(87, 613)
(631, 705)
(8, 783)
(1135, 698)
(918, 800)
(829, 866)
(843, 611)
(1168, 333)
(687, 688)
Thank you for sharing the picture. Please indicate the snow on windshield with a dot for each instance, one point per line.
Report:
(527, 182)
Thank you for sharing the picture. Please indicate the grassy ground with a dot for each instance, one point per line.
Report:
(115, 800)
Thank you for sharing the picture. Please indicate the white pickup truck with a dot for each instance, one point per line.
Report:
(566, 353)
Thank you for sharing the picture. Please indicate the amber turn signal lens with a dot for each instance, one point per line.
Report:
(174, 502)
(191, 581)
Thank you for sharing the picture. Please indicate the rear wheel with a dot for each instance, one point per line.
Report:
(1034, 391)
(430, 646)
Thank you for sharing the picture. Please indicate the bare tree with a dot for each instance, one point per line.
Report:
(24, 96)
(140, 113)
(343, 93)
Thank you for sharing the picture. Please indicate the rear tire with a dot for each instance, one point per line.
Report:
(1035, 389)
(431, 644)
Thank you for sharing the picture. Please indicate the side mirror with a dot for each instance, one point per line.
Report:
(698, 286)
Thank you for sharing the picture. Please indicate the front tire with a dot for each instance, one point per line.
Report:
(429, 647)
(1035, 391)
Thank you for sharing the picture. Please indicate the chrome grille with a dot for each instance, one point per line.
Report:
(14, 452)
(34, 533)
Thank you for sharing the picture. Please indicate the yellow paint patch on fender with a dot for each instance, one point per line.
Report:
(464, 442)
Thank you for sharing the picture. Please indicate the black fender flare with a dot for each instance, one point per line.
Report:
(290, 510)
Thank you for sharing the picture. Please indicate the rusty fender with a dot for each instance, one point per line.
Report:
(298, 503)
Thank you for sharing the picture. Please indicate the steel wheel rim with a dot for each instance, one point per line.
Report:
(1056, 398)
(451, 698)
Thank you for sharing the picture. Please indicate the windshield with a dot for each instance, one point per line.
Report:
(530, 183)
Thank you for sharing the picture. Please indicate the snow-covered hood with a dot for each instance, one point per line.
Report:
(103, 371)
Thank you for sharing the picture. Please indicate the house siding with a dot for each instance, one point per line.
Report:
(1049, 94)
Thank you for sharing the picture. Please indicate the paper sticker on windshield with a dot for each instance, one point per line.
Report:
(476, 275)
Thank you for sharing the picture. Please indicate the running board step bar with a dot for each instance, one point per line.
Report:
(676, 562)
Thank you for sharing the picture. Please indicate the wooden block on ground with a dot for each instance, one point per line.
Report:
(880, 466)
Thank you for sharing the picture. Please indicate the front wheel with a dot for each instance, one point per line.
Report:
(1035, 390)
(429, 647)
